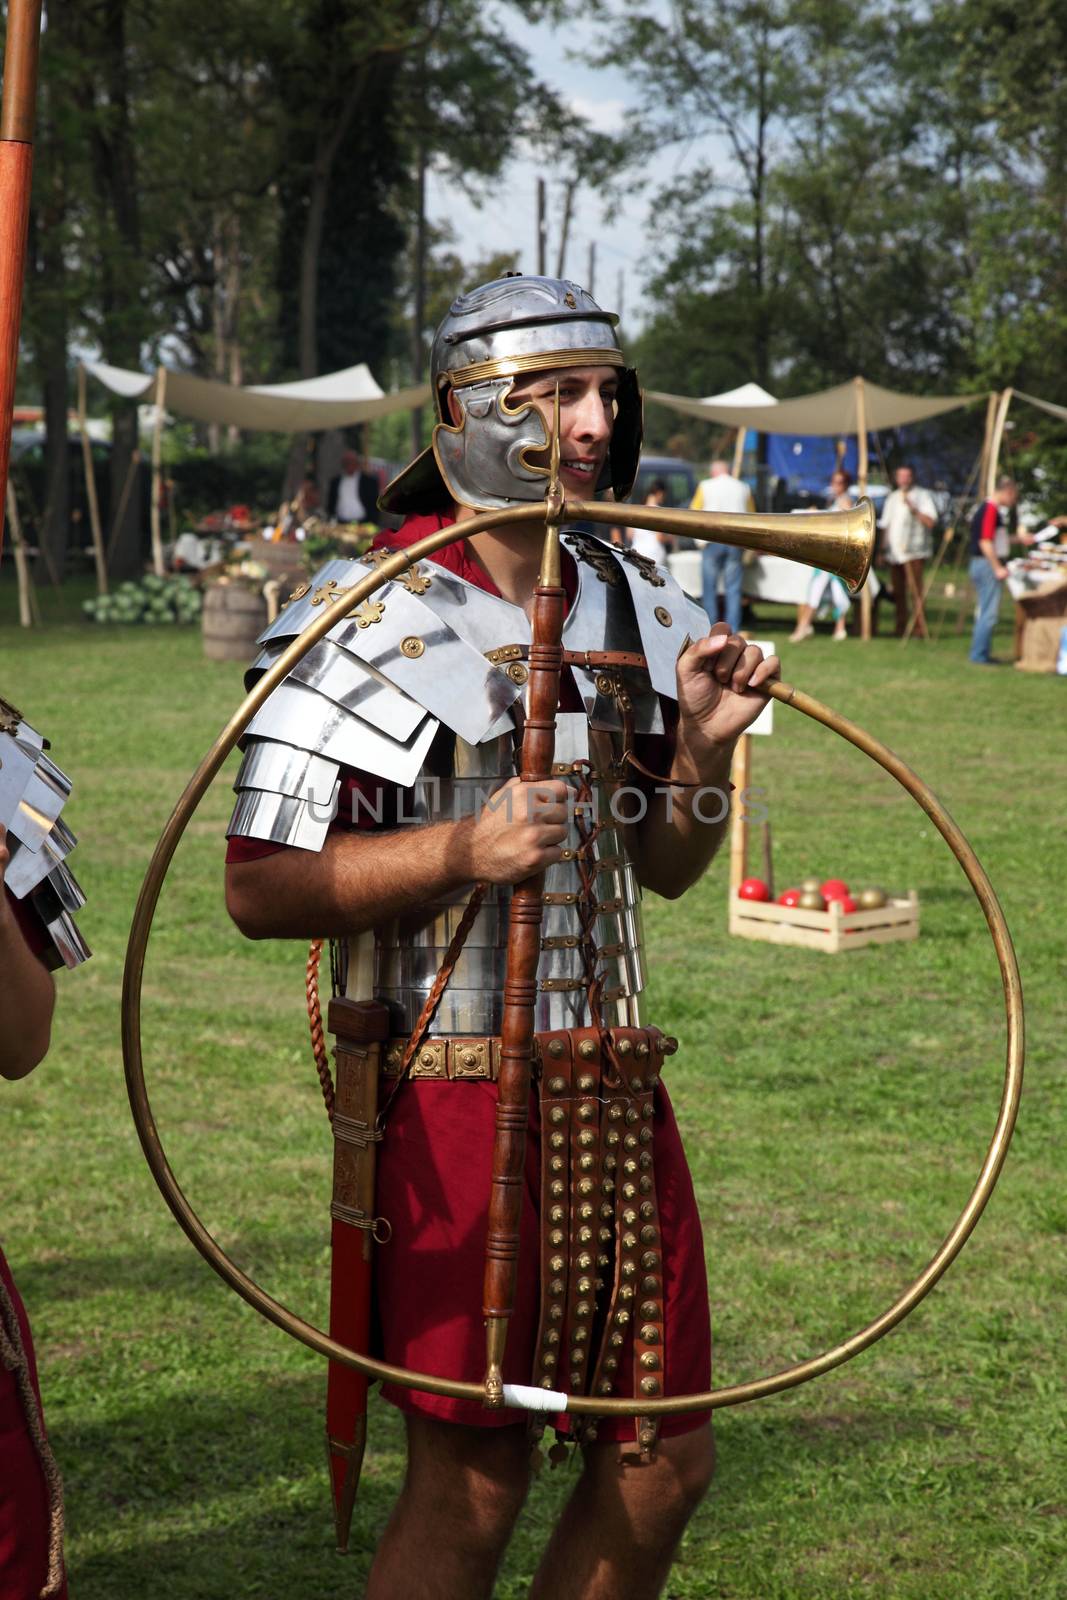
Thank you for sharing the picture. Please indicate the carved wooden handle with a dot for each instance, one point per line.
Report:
(520, 992)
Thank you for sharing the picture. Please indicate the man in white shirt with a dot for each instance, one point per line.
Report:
(353, 496)
(722, 492)
(908, 519)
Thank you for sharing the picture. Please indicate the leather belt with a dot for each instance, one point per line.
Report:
(446, 1058)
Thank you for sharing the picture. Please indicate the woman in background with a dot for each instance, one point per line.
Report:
(839, 499)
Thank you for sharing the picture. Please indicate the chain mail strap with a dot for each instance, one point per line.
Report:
(433, 999)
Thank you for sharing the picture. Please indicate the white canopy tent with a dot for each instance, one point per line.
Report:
(1043, 405)
(336, 400)
(830, 413)
(748, 394)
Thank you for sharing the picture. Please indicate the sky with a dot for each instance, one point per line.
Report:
(508, 217)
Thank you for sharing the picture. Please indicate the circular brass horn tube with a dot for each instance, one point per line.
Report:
(840, 542)
(315, 1338)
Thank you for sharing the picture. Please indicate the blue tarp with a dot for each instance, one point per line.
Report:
(805, 461)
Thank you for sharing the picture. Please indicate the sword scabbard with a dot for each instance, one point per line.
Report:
(359, 1029)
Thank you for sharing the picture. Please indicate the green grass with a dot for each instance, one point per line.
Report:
(836, 1110)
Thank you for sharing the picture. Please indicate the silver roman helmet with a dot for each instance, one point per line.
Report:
(491, 336)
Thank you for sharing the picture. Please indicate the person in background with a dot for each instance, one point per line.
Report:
(645, 540)
(839, 499)
(908, 519)
(353, 494)
(989, 548)
(722, 492)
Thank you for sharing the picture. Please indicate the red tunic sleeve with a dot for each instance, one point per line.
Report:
(31, 928)
(989, 523)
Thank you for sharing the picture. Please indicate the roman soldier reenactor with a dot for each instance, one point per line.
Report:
(380, 806)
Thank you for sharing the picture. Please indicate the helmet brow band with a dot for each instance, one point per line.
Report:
(535, 361)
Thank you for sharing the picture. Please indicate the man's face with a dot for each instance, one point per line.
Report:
(349, 462)
(905, 478)
(1009, 495)
(586, 419)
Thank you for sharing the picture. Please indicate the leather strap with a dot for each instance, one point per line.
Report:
(590, 659)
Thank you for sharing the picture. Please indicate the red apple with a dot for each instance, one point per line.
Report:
(834, 889)
(754, 889)
(789, 898)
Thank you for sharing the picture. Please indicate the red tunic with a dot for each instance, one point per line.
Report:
(23, 1491)
(434, 1169)
(24, 1509)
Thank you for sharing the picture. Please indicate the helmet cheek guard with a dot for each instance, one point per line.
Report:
(484, 459)
(620, 469)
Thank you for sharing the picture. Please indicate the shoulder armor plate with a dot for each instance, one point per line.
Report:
(33, 792)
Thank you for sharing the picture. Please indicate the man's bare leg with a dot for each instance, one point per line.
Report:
(463, 1491)
(620, 1528)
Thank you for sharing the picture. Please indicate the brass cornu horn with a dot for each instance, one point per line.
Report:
(840, 542)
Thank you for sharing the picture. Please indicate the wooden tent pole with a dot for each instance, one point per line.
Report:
(739, 452)
(28, 610)
(157, 472)
(993, 460)
(90, 487)
(21, 48)
(987, 439)
(740, 774)
(861, 482)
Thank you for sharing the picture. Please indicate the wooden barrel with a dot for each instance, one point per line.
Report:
(232, 619)
(284, 561)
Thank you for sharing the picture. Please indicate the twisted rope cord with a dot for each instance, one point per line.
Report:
(318, 1037)
(14, 1358)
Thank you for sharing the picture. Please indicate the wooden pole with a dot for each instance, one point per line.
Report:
(28, 611)
(739, 452)
(861, 483)
(542, 230)
(520, 984)
(90, 488)
(16, 164)
(993, 459)
(157, 472)
(987, 439)
(740, 773)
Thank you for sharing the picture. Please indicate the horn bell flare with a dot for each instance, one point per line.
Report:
(838, 542)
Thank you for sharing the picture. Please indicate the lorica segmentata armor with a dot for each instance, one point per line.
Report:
(421, 689)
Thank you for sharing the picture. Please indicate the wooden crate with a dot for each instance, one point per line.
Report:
(832, 930)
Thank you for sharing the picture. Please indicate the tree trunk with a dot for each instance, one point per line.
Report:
(418, 309)
(115, 182)
(326, 148)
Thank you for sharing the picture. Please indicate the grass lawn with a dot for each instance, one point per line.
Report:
(836, 1111)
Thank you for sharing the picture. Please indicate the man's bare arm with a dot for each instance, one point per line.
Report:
(719, 679)
(27, 993)
(359, 880)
